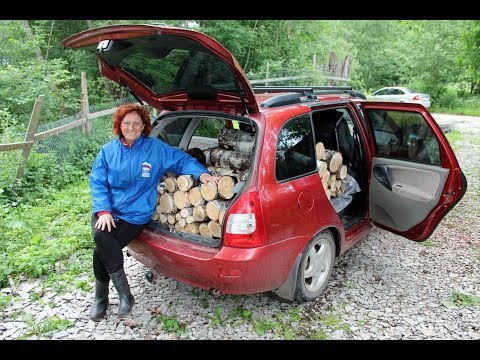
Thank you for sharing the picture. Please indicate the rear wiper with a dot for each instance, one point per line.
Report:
(124, 84)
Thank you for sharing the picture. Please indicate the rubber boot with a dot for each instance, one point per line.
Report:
(100, 304)
(127, 300)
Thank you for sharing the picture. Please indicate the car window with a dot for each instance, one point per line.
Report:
(381, 92)
(166, 69)
(172, 133)
(404, 135)
(206, 133)
(295, 149)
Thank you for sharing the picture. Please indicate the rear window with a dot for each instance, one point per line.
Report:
(169, 63)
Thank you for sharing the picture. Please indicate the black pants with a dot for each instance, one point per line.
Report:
(107, 254)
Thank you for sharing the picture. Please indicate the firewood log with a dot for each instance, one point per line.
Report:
(179, 227)
(215, 228)
(236, 160)
(186, 211)
(199, 213)
(203, 230)
(333, 159)
(195, 196)
(167, 205)
(180, 199)
(320, 150)
(237, 140)
(225, 187)
(192, 228)
(214, 207)
(209, 192)
(185, 182)
(221, 216)
(171, 184)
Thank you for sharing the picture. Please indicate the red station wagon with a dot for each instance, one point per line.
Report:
(308, 170)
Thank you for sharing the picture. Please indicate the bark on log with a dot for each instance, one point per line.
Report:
(218, 171)
(167, 205)
(185, 182)
(214, 207)
(195, 196)
(225, 187)
(180, 199)
(221, 216)
(215, 229)
(237, 140)
(161, 188)
(239, 161)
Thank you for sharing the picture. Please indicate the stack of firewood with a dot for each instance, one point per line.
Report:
(330, 169)
(187, 206)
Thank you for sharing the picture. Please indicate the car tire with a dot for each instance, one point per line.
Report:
(316, 266)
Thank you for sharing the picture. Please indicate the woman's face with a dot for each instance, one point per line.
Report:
(132, 127)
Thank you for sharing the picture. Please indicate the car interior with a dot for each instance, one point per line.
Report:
(336, 129)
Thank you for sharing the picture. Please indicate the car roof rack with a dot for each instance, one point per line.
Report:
(302, 89)
(294, 94)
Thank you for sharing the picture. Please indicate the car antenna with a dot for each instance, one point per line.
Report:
(237, 85)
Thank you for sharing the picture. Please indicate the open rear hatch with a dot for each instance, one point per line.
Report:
(169, 68)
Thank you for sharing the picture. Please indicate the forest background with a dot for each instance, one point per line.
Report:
(44, 217)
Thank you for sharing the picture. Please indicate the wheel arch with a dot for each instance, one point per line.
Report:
(287, 290)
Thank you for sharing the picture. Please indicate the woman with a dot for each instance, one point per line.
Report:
(123, 182)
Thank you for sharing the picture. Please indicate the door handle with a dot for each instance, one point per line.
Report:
(382, 174)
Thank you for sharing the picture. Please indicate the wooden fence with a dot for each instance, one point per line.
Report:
(31, 136)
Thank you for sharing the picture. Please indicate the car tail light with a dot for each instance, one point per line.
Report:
(244, 222)
(416, 97)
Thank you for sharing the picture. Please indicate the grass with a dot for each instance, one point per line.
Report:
(45, 326)
(458, 299)
(171, 324)
(54, 239)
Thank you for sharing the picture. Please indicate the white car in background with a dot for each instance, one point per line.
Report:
(401, 94)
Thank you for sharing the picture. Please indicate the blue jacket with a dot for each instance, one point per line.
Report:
(124, 180)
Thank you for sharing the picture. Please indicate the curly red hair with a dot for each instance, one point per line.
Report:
(128, 108)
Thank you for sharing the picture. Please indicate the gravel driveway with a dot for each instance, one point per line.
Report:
(386, 287)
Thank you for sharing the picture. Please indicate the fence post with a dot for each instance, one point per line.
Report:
(85, 106)
(29, 135)
(267, 73)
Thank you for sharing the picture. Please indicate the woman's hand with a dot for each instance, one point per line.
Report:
(105, 220)
(207, 178)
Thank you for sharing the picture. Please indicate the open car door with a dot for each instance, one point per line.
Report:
(415, 177)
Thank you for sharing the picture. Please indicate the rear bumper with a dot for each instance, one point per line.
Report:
(229, 270)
